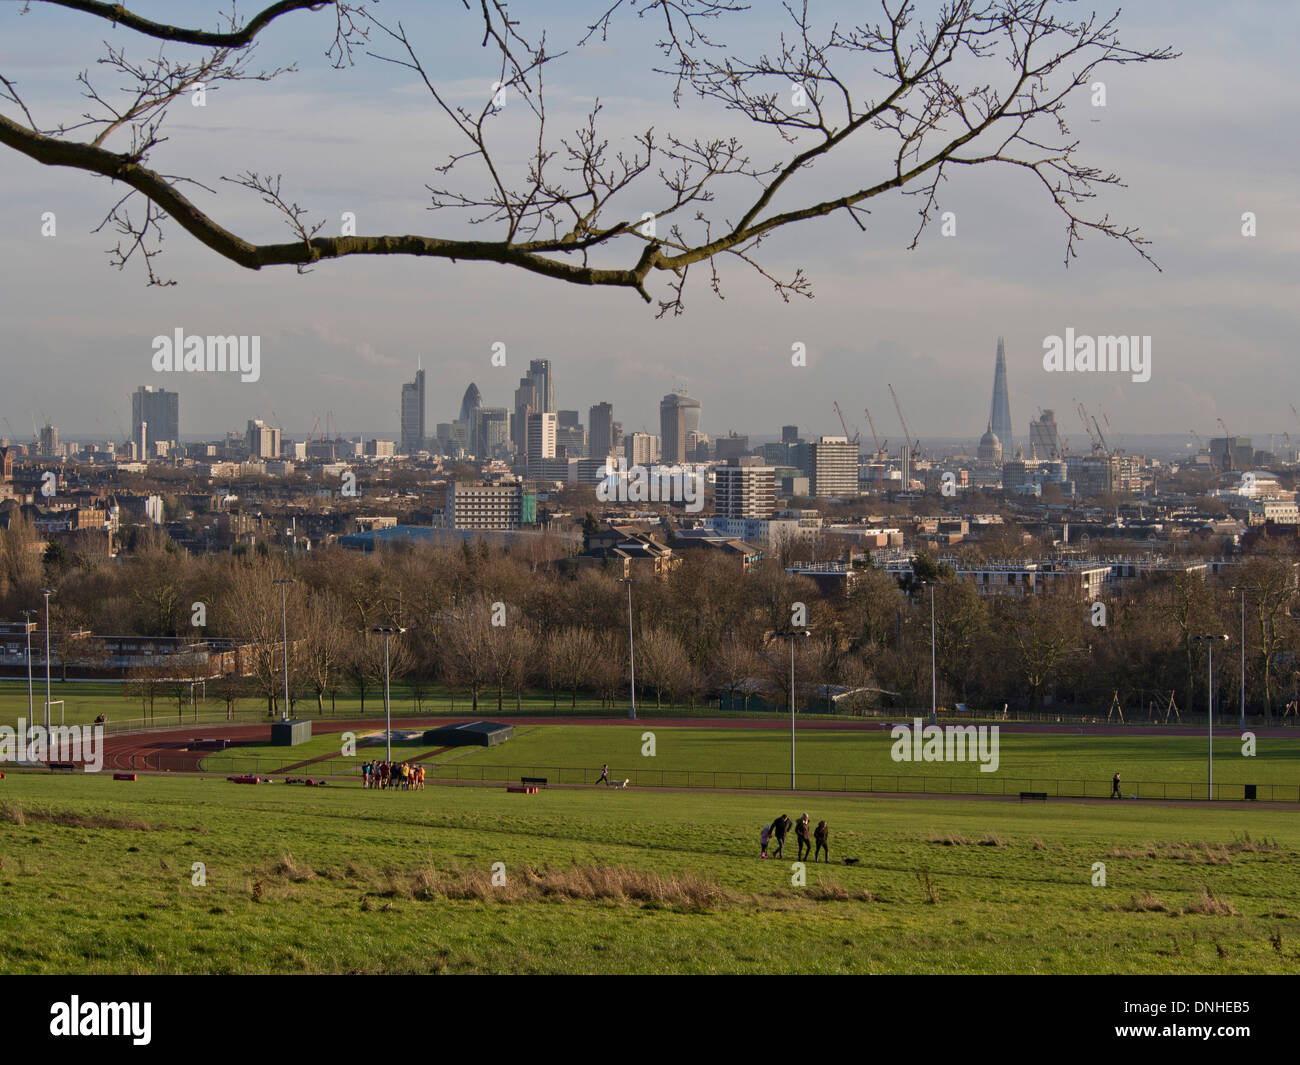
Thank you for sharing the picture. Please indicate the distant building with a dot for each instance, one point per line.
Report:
(834, 467)
(744, 488)
(1232, 452)
(540, 372)
(641, 449)
(1000, 409)
(49, 444)
(502, 506)
(412, 414)
(1044, 438)
(600, 430)
(540, 441)
(263, 440)
(679, 416)
(990, 448)
(155, 417)
(527, 401)
(731, 446)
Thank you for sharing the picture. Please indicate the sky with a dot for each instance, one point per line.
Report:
(1197, 141)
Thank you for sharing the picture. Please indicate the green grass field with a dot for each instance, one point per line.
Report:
(1150, 766)
(97, 877)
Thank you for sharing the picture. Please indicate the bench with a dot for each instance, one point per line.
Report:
(63, 767)
(533, 782)
(123, 776)
(527, 786)
(245, 780)
(1040, 795)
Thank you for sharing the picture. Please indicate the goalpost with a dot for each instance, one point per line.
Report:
(50, 705)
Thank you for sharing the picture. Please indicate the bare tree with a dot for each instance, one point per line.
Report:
(979, 82)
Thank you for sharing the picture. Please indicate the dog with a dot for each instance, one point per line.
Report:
(851, 861)
(617, 784)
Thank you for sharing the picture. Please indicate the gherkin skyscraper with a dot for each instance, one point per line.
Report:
(1000, 412)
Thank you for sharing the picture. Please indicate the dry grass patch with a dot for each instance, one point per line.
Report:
(13, 813)
(1210, 905)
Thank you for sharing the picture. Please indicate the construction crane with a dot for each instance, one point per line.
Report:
(1105, 448)
(879, 456)
(853, 438)
(1082, 412)
(913, 443)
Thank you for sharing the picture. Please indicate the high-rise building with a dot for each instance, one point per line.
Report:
(641, 449)
(1044, 440)
(570, 436)
(744, 488)
(49, 444)
(158, 413)
(412, 413)
(731, 446)
(541, 436)
(263, 440)
(789, 434)
(501, 506)
(600, 430)
(679, 416)
(834, 467)
(1000, 411)
(526, 402)
(492, 432)
(540, 371)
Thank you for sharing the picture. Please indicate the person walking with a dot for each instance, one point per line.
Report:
(1114, 787)
(804, 836)
(822, 835)
(763, 837)
(604, 775)
(779, 828)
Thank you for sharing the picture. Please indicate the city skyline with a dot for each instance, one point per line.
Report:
(323, 342)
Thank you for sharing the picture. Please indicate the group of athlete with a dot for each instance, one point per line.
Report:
(776, 832)
(400, 775)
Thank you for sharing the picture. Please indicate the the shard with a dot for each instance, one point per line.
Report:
(1000, 412)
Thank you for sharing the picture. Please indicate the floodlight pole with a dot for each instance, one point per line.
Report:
(1243, 659)
(631, 650)
(284, 622)
(31, 709)
(792, 634)
(47, 592)
(1210, 641)
(934, 673)
(387, 630)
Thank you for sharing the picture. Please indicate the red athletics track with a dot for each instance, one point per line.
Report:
(127, 752)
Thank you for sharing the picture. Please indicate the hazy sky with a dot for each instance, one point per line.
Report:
(1197, 140)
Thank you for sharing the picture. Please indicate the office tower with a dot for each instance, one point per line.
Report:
(1000, 413)
(745, 488)
(640, 449)
(1044, 440)
(49, 445)
(731, 446)
(834, 467)
(570, 436)
(412, 413)
(679, 415)
(263, 440)
(526, 403)
(789, 434)
(600, 430)
(471, 402)
(540, 372)
(905, 466)
(541, 436)
(161, 410)
(492, 432)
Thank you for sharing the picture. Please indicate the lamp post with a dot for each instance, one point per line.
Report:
(284, 622)
(47, 592)
(1210, 641)
(388, 630)
(792, 633)
(631, 651)
(29, 614)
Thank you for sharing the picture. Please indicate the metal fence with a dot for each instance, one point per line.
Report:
(232, 762)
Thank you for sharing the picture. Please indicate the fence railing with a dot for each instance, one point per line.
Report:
(233, 762)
